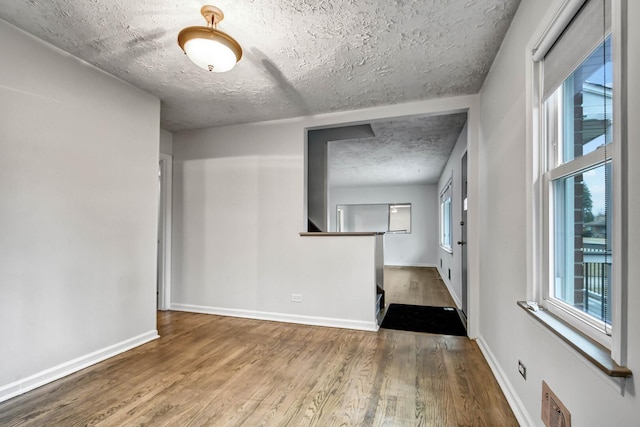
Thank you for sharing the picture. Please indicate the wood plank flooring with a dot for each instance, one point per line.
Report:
(417, 286)
(221, 371)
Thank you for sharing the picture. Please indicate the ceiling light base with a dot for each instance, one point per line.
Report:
(212, 14)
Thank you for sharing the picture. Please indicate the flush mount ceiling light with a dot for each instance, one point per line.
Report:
(208, 47)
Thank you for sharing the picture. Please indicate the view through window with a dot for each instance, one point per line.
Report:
(579, 131)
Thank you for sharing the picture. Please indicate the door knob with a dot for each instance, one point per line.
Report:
(461, 242)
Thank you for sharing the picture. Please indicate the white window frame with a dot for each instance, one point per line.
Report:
(390, 227)
(446, 190)
(539, 220)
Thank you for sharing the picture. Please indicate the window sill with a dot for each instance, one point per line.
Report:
(592, 351)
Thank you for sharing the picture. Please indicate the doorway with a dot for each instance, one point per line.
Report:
(163, 274)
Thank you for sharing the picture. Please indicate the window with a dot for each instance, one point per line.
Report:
(579, 178)
(578, 162)
(400, 218)
(387, 218)
(445, 218)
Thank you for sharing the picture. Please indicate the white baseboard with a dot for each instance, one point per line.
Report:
(49, 375)
(447, 284)
(455, 297)
(279, 317)
(393, 264)
(521, 413)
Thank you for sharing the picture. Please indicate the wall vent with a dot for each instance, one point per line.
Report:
(554, 413)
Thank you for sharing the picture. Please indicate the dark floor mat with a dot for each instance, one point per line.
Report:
(418, 318)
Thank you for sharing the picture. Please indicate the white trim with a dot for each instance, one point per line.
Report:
(447, 185)
(517, 406)
(580, 164)
(279, 317)
(473, 226)
(417, 264)
(447, 284)
(165, 237)
(620, 204)
(447, 188)
(534, 153)
(24, 385)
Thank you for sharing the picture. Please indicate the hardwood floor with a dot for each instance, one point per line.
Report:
(223, 371)
(417, 286)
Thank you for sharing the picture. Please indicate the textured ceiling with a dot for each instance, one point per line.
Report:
(301, 57)
(411, 150)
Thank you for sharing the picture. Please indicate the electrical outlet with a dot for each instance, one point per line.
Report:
(296, 298)
(522, 369)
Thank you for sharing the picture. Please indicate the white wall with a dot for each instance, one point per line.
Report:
(506, 333)
(78, 184)
(238, 212)
(418, 248)
(166, 142)
(239, 205)
(451, 261)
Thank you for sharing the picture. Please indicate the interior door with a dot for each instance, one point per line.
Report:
(463, 232)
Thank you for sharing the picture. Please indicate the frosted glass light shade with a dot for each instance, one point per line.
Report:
(210, 55)
(209, 48)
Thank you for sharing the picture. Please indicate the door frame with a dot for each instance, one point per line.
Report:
(163, 286)
(464, 210)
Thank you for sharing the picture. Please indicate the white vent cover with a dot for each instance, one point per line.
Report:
(554, 413)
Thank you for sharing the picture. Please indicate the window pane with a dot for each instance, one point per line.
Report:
(582, 235)
(369, 218)
(445, 224)
(586, 121)
(400, 218)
